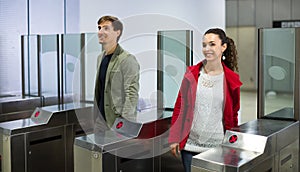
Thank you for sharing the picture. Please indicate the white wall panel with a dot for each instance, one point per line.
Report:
(142, 20)
(45, 17)
(13, 23)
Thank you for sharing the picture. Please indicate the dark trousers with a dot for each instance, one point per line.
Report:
(186, 157)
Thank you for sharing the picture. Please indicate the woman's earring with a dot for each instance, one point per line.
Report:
(223, 57)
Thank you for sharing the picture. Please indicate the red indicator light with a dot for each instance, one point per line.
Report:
(119, 125)
(37, 113)
(233, 139)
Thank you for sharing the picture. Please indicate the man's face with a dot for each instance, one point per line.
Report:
(106, 33)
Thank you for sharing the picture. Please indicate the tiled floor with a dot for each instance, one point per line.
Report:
(248, 108)
(273, 102)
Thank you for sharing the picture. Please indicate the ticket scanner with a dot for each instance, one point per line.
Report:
(271, 142)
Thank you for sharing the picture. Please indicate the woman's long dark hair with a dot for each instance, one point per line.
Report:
(230, 53)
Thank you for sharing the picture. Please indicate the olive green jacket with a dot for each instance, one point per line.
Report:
(121, 86)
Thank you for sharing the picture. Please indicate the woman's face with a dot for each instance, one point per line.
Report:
(212, 47)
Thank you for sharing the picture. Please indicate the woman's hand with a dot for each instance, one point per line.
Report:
(175, 149)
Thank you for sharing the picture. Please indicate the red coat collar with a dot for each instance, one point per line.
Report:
(232, 78)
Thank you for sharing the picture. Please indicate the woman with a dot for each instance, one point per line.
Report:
(208, 100)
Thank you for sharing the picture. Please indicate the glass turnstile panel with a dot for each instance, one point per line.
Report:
(174, 55)
(277, 72)
(40, 66)
(60, 65)
(92, 51)
(71, 54)
(29, 65)
(49, 65)
(80, 63)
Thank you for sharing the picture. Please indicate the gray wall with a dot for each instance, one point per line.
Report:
(243, 18)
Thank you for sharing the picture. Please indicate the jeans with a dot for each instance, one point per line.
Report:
(186, 157)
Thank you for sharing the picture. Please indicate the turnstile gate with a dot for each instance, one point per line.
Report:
(126, 147)
(43, 142)
(263, 145)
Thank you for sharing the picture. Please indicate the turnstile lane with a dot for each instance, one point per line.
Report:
(127, 146)
(43, 142)
(259, 145)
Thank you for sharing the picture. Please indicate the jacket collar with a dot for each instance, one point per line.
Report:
(231, 77)
(112, 62)
(117, 52)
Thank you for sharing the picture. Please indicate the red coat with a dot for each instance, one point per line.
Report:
(184, 107)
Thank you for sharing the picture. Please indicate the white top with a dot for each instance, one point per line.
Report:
(207, 127)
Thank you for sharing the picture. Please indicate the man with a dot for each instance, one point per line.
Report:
(117, 79)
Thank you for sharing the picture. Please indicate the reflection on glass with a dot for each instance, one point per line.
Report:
(80, 64)
(278, 55)
(49, 65)
(92, 50)
(174, 55)
(30, 72)
(60, 65)
(71, 54)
